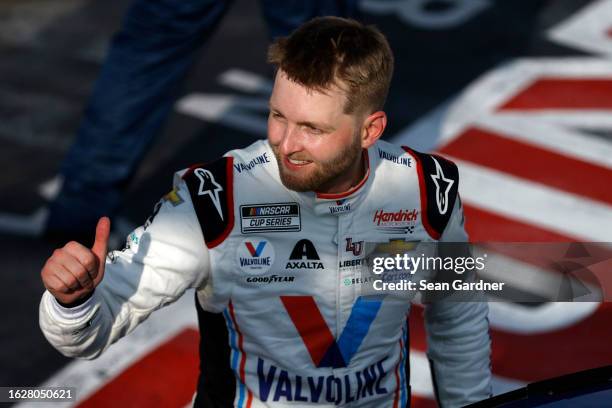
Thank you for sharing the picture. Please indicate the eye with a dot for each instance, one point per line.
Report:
(276, 115)
(313, 130)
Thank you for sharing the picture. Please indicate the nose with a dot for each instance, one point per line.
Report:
(291, 142)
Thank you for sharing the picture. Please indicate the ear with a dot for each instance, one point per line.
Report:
(372, 128)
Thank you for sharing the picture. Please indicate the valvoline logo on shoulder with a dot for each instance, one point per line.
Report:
(255, 255)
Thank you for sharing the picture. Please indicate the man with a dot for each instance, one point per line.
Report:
(272, 236)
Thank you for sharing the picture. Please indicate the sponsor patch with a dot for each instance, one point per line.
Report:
(352, 263)
(396, 222)
(401, 160)
(340, 206)
(276, 217)
(355, 247)
(262, 159)
(396, 246)
(304, 256)
(270, 279)
(173, 198)
(255, 255)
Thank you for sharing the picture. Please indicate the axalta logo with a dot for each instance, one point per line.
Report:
(255, 255)
(395, 218)
(304, 256)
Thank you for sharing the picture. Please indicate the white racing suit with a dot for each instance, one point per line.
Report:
(284, 270)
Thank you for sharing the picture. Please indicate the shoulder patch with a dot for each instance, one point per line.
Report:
(212, 193)
(438, 182)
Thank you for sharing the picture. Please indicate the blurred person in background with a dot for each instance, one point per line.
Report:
(272, 238)
(139, 82)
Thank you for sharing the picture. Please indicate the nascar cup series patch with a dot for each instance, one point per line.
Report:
(275, 217)
(255, 255)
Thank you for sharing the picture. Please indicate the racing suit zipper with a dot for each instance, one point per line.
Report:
(340, 240)
(339, 276)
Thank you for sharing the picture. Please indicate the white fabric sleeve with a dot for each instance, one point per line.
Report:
(161, 260)
(459, 346)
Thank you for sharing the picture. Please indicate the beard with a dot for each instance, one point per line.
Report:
(323, 173)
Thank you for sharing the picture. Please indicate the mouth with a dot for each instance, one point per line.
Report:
(293, 164)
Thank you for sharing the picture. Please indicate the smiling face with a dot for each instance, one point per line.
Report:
(318, 147)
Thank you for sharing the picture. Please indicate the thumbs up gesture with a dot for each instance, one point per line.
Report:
(74, 271)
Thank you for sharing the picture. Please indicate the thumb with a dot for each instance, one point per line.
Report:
(100, 246)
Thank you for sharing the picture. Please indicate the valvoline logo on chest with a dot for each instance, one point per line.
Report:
(255, 255)
(323, 348)
(255, 252)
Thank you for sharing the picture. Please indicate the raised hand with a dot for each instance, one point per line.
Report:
(74, 271)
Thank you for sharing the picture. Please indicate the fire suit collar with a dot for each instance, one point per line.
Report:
(349, 192)
(345, 202)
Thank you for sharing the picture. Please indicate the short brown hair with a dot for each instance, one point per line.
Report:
(337, 51)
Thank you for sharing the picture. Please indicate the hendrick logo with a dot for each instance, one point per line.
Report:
(304, 256)
(275, 217)
(401, 217)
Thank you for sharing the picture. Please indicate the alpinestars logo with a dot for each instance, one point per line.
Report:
(208, 185)
(443, 186)
(304, 256)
